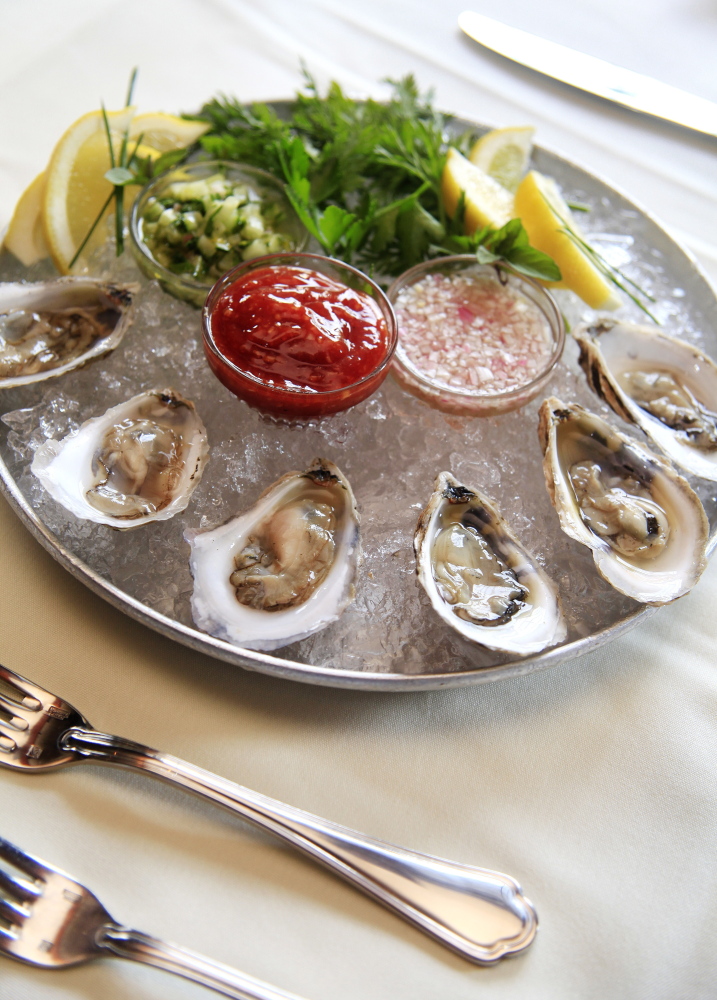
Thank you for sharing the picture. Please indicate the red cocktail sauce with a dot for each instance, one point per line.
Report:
(296, 335)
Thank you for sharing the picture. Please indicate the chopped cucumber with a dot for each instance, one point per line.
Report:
(205, 227)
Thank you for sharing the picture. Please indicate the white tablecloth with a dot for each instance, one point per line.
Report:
(592, 783)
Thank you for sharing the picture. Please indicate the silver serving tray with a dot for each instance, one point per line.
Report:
(679, 269)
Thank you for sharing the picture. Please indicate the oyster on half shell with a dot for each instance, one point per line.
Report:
(50, 327)
(284, 569)
(138, 462)
(479, 577)
(646, 527)
(664, 385)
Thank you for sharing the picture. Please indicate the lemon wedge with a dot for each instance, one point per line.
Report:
(76, 188)
(487, 202)
(162, 133)
(25, 237)
(504, 154)
(546, 217)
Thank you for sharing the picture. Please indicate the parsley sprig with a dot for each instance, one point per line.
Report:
(364, 177)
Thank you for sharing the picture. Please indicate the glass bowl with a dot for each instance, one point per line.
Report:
(282, 229)
(474, 339)
(293, 401)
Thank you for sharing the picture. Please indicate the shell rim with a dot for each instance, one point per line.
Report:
(338, 575)
(423, 543)
(100, 347)
(603, 554)
(660, 434)
(46, 455)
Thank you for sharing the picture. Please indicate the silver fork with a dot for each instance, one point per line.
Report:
(53, 921)
(481, 914)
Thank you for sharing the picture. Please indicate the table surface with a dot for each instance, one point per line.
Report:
(591, 783)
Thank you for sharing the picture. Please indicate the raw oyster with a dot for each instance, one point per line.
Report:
(478, 576)
(285, 568)
(138, 462)
(49, 328)
(664, 385)
(647, 529)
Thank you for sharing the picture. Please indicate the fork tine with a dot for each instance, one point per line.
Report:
(25, 687)
(26, 863)
(12, 913)
(7, 741)
(18, 887)
(12, 707)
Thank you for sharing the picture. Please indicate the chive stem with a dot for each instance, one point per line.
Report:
(109, 136)
(92, 229)
(130, 88)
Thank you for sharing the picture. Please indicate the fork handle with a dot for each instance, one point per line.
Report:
(139, 947)
(481, 914)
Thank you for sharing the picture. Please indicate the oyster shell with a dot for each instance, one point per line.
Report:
(138, 462)
(284, 569)
(647, 529)
(51, 327)
(479, 577)
(664, 385)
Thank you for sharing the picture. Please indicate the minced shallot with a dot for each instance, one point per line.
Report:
(471, 333)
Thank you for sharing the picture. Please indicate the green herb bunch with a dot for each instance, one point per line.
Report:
(365, 176)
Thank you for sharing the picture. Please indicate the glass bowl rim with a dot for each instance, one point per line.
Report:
(276, 259)
(464, 261)
(140, 246)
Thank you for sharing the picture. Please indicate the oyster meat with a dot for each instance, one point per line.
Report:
(664, 385)
(479, 577)
(138, 462)
(647, 529)
(51, 327)
(283, 570)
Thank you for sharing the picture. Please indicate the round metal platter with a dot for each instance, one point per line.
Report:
(614, 213)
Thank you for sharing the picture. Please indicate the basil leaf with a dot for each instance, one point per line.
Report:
(534, 263)
(119, 176)
(486, 256)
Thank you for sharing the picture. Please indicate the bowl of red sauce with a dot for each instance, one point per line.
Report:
(474, 339)
(298, 335)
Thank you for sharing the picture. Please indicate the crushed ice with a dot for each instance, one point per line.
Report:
(391, 447)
